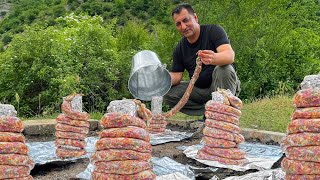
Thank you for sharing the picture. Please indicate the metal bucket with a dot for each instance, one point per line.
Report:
(148, 76)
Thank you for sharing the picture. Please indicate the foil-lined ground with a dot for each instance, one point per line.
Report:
(44, 152)
(260, 156)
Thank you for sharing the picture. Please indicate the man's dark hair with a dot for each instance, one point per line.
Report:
(179, 8)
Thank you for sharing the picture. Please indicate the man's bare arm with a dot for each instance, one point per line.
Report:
(176, 77)
(225, 55)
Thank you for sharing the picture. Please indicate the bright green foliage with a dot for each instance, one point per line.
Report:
(43, 65)
(26, 12)
(276, 42)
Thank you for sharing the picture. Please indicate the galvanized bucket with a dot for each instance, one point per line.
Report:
(148, 77)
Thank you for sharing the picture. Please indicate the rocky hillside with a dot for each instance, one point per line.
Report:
(5, 6)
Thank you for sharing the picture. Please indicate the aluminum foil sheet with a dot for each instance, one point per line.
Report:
(311, 81)
(168, 136)
(165, 169)
(260, 156)
(125, 106)
(173, 176)
(273, 174)
(7, 110)
(217, 96)
(156, 104)
(166, 165)
(44, 152)
(76, 103)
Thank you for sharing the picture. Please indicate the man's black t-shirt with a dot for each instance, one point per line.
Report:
(184, 55)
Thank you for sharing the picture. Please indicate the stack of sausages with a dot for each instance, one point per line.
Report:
(14, 160)
(72, 128)
(157, 121)
(302, 143)
(123, 150)
(158, 124)
(222, 132)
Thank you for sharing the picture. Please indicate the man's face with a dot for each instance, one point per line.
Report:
(186, 23)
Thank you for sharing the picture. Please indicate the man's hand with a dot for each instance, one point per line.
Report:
(206, 56)
(223, 56)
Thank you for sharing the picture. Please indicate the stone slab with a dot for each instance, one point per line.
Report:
(47, 127)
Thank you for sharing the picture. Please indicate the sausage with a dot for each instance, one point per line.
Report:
(301, 139)
(157, 126)
(222, 125)
(16, 160)
(300, 167)
(10, 124)
(69, 153)
(221, 108)
(70, 135)
(222, 134)
(29, 177)
(123, 143)
(13, 148)
(306, 113)
(143, 175)
(9, 171)
(62, 118)
(69, 128)
(235, 101)
(119, 154)
(304, 153)
(307, 98)
(218, 143)
(231, 153)
(70, 142)
(128, 132)
(301, 177)
(304, 125)
(222, 117)
(116, 120)
(203, 155)
(12, 137)
(122, 167)
(157, 130)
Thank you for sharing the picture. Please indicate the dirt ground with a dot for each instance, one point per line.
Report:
(69, 170)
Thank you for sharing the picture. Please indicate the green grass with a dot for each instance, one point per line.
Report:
(183, 117)
(94, 115)
(270, 114)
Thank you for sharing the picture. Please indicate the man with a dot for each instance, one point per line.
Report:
(211, 44)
